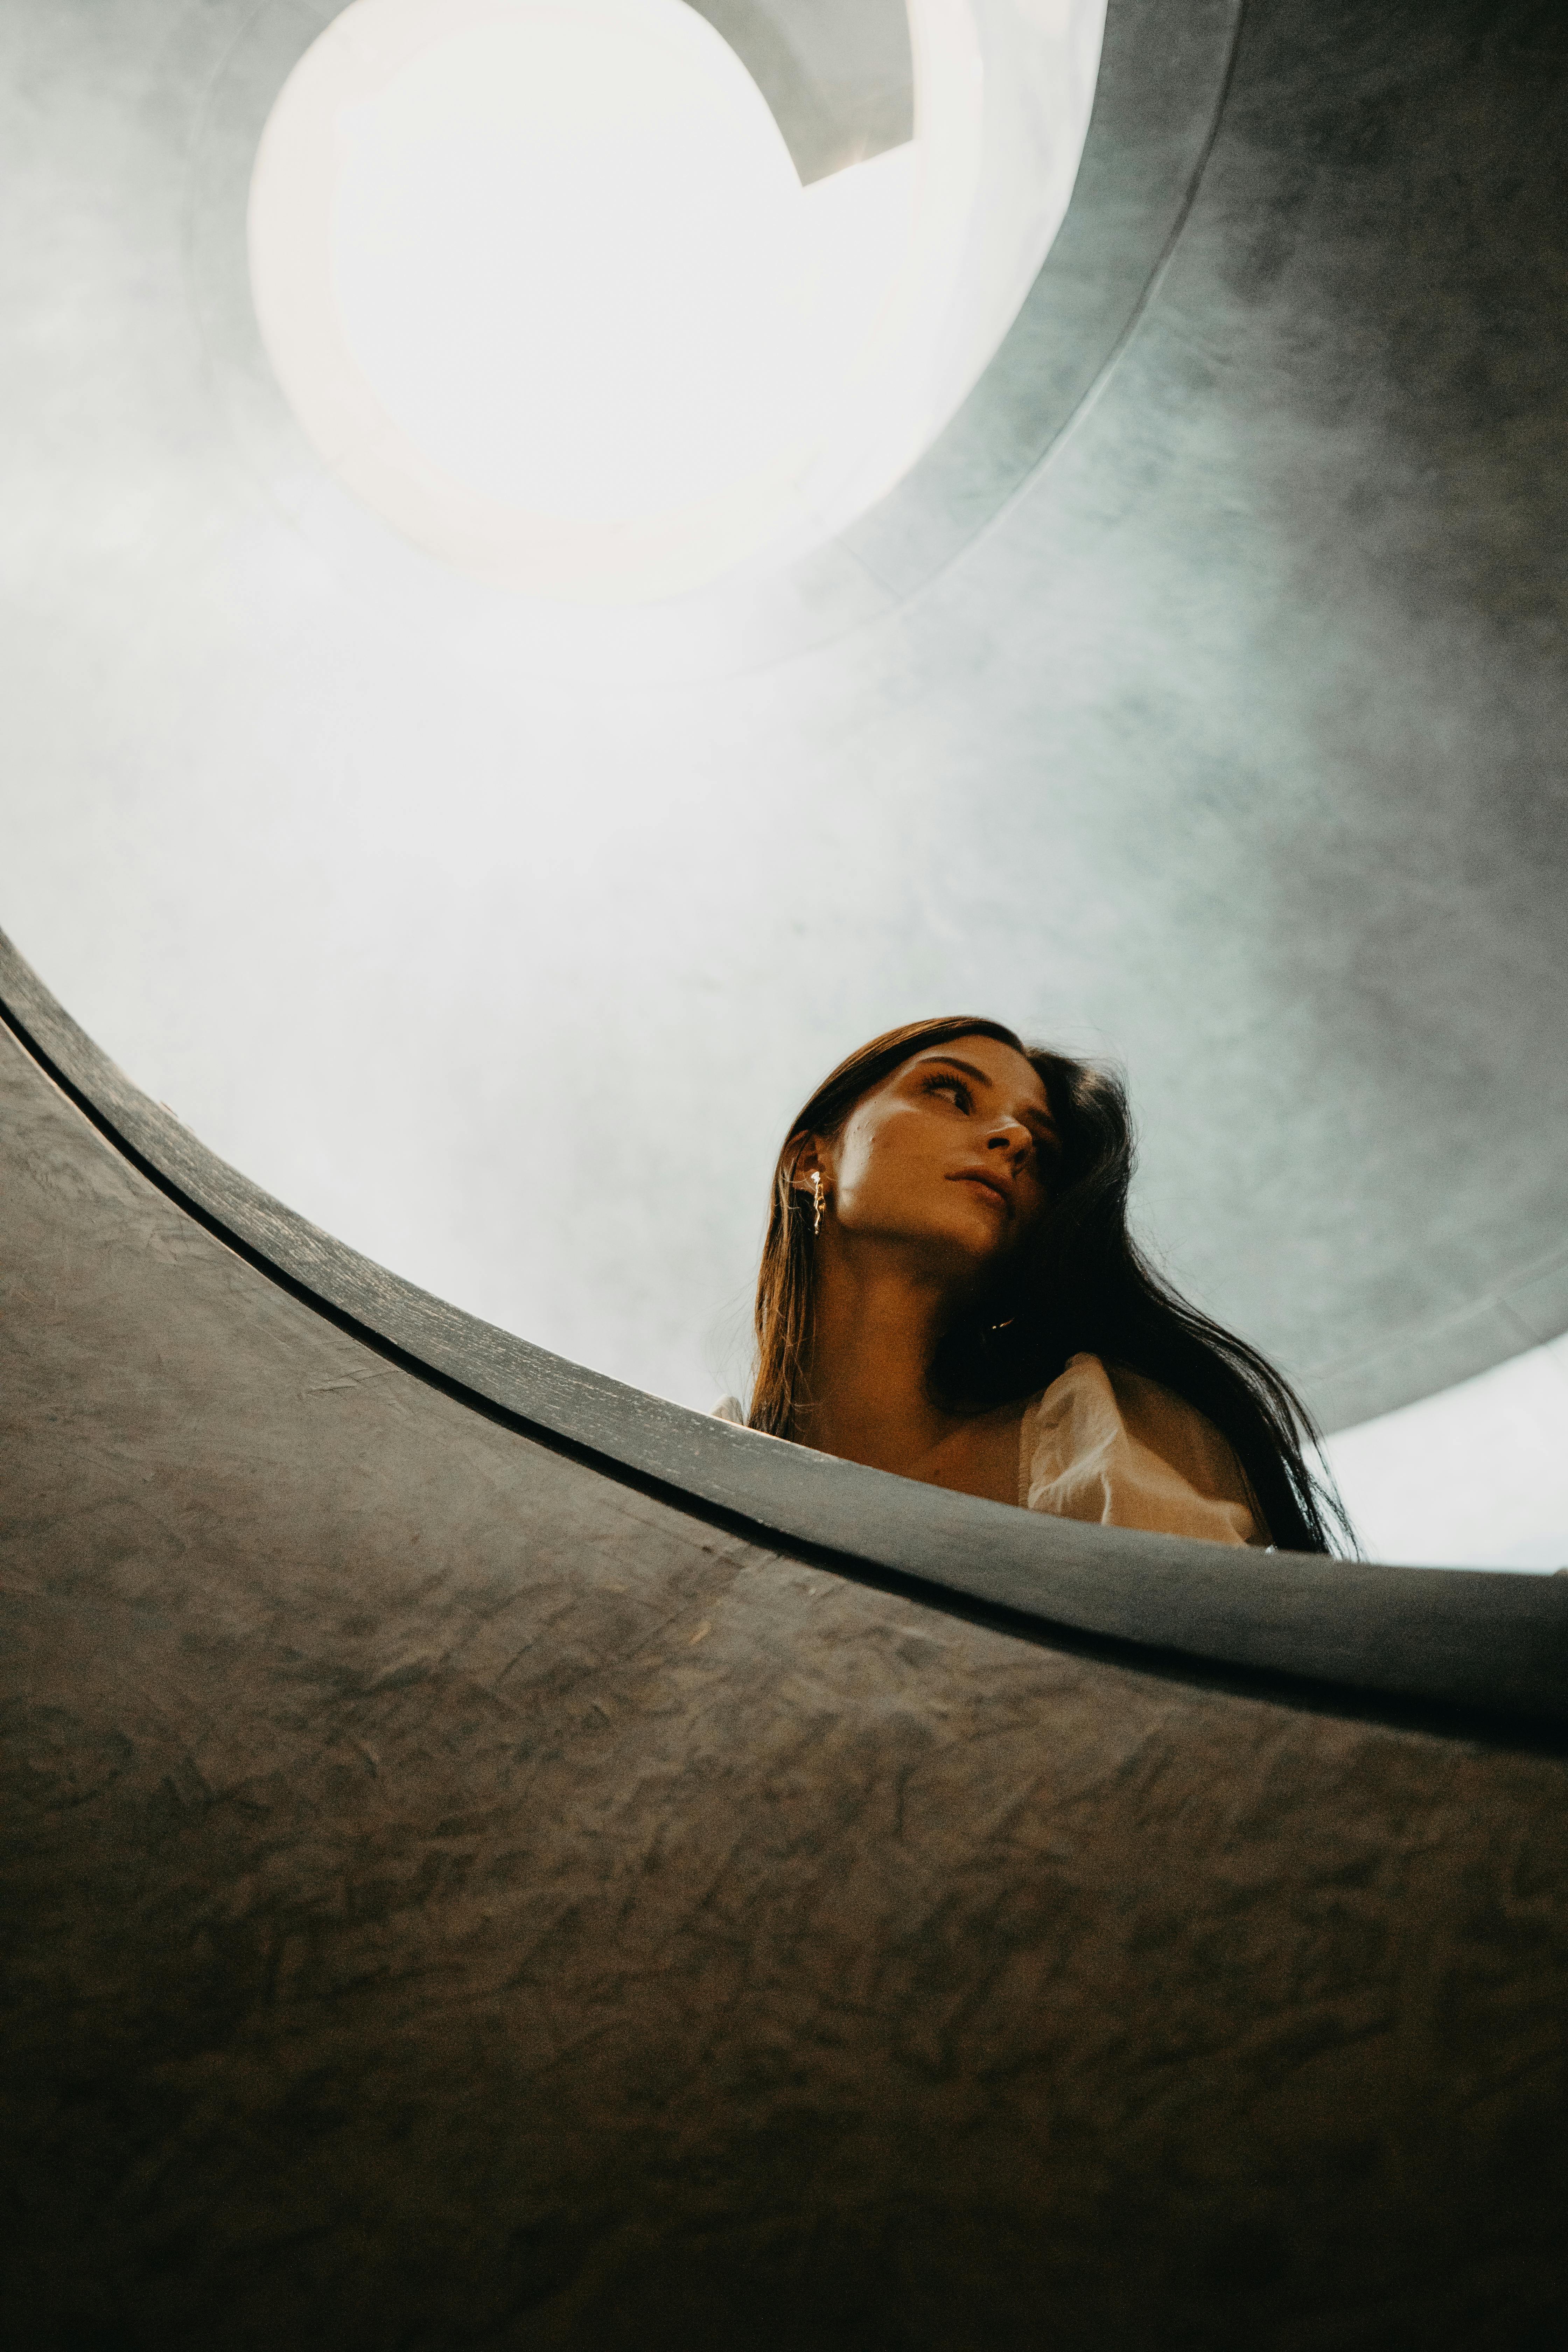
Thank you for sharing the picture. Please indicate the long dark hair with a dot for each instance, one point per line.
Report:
(1080, 1285)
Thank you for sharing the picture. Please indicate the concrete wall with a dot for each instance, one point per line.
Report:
(471, 1876)
(455, 1894)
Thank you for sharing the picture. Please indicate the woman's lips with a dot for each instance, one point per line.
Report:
(990, 1184)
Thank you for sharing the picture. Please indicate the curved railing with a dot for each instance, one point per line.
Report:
(1448, 1647)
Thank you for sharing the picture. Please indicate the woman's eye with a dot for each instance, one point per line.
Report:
(954, 1087)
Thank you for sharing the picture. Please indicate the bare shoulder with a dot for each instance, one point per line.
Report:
(980, 1455)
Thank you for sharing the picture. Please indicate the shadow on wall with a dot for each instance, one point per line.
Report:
(838, 74)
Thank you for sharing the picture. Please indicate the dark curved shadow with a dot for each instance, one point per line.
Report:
(1471, 1644)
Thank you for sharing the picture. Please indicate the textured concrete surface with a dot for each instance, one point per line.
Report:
(1233, 742)
(449, 1897)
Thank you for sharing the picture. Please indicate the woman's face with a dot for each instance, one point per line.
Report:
(948, 1156)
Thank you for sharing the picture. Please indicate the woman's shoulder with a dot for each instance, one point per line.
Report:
(1108, 1443)
(1090, 1384)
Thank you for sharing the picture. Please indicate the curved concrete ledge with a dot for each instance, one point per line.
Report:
(463, 1882)
(1159, 103)
(1483, 1643)
(488, 1858)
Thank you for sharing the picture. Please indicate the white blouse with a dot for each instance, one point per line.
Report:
(1107, 1444)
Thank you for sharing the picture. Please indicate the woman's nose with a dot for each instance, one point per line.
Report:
(1011, 1136)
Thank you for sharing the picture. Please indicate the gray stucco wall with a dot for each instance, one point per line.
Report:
(459, 1886)
(453, 1894)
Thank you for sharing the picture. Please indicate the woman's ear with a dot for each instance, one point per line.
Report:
(809, 1161)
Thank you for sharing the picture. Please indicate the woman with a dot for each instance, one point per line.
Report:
(949, 1290)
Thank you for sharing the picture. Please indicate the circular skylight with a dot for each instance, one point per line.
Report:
(544, 288)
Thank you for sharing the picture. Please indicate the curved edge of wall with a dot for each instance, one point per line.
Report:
(1160, 98)
(1452, 1646)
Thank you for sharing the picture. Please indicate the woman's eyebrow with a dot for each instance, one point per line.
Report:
(955, 1062)
(1041, 1119)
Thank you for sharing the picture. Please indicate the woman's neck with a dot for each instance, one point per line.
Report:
(875, 1324)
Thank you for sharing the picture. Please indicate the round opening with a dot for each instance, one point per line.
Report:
(543, 287)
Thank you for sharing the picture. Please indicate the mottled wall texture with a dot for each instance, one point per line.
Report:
(453, 1898)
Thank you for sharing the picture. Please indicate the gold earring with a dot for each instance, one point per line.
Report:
(816, 1201)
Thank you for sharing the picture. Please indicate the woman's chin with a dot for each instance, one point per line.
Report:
(982, 1217)
(976, 1239)
(962, 1237)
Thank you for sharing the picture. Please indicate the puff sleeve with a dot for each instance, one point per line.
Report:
(1108, 1446)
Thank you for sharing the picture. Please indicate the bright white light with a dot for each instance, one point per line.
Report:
(581, 273)
(544, 286)
(1476, 1476)
(543, 289)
